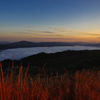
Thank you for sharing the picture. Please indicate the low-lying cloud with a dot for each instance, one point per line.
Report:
(24, 52)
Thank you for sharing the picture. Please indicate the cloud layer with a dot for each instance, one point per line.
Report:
(24, 52)
(55, 34)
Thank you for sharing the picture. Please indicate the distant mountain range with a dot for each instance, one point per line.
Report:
(25, 44)
(5, 42)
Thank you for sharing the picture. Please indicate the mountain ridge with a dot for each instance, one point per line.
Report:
(25, 44)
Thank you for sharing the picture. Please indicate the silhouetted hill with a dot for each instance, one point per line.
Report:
(24, 44)
(4, 42)
(69, 60)
(1, 47)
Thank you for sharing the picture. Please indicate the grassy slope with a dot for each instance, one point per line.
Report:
(69, 60)
(81, 85)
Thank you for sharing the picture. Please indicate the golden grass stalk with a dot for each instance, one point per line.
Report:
(84, 85)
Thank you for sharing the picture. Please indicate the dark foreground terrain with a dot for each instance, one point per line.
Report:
(60, 61)
(68, 75)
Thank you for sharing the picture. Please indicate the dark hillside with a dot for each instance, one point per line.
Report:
(25, 44)
(69, 60)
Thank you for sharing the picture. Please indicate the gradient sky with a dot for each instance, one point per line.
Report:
(50, 20)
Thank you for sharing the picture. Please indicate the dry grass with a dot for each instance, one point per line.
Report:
(84, 85)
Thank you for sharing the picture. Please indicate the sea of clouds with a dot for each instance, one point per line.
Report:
(24, 52)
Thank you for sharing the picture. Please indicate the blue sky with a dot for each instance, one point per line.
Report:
(50, 20)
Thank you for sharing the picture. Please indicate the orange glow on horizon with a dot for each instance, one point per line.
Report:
(44, 39)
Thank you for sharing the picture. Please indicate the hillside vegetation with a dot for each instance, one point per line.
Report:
(68, 75)
(69, 60)
(82, 85)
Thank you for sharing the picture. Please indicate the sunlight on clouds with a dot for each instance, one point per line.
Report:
(56, 34)
(66, 39)
(36, 31)
(58, 28)
(52, 38)
(66, 31)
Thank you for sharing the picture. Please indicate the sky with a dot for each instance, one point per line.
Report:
(50, 20)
